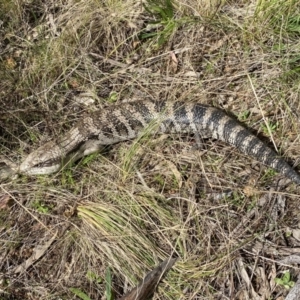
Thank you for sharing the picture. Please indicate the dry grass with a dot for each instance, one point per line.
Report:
(143, 201)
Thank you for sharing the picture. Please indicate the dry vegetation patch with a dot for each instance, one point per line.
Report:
(94, 229)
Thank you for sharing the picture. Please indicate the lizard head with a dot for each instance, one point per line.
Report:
(44, 160)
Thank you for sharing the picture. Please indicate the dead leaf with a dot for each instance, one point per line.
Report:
(296, 233)
(37, 253)
(10, 63)
(250, 191)
(4, 201)
(147, 286)
(174, 62)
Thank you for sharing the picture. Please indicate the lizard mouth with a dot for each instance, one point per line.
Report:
(48, 164)
(43, 169)
(55, 163)
(46, 167)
